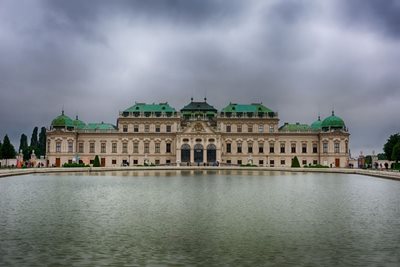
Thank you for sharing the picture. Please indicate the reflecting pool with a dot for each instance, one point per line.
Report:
(209, 218)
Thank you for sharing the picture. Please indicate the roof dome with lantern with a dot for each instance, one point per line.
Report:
(333, 122)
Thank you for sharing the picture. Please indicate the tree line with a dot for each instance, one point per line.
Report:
(37, 144)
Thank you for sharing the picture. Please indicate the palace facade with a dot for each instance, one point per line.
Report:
(199, 134)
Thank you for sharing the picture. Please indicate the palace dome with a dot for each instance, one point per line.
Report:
(62, 121)
(333, 122)
(317, 125)
(78, 123)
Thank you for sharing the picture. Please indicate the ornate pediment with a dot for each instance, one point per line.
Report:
(198, 127)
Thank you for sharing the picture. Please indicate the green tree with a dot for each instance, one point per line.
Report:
(34, 137)
(396, 152)
(96, 162)
(0, 150)
(368, 160)
(23, 146)
(391, 142)
(382, 156)
(295, 162)
(7, 149)
(34, 141)
(42, 142)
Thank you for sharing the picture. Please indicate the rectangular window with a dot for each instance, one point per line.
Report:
(315, 162)
(157, 161)
(239, 162)
(157, 128)
(260, 148)
(80, 147)
(48, 146)
(282, 148)
(325, 147)
(239, 128)
(250, 128)
(261, 162)
(135, 162)
(168, 148)
(114, 147)
(114, 161)
(168, 128)
(91, 147)
(228, 128)
(229, 148)
(125, 128)
(314, 148)
(283, 162)
(304, 148)
(147, 128)
(58, 147)
(271, 128)
(271, 163)
(271, 148)
(136, 128)
(304, 162)
(124, 147)
(168, 162)
(70, 147)
(157, 148)
(103, 147)
(146, 148)
(250, 148)
(239, 148)
(136, 147)
(228, 161)
(293, 148)
(337, 147)
(260, 128)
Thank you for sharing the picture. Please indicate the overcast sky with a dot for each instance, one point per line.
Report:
(300, 58)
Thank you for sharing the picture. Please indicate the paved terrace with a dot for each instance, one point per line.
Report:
(395, 175)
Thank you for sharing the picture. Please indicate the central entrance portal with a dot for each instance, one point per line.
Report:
(198, 153)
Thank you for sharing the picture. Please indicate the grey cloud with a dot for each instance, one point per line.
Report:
(96, 58)
(383, 16)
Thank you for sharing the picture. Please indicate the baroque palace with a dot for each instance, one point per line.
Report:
(199, 134)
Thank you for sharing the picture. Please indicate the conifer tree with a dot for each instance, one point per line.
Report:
(1, 157)
(7, 149)
(23, 146)
(42, 142)
(96, 162)
(295, 162)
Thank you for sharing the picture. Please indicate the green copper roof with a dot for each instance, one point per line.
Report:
(252, 108)
(62, 121)
(142, 107)
(333, 122)
(317, 125)
(79, 124)
(297, 127)
(99, 126)
(198, 106)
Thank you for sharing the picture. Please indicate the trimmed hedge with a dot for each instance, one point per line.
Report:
(316, 166)
(75, 165)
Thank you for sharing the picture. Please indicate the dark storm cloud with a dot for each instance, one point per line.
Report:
(300, 58)
(383, 16)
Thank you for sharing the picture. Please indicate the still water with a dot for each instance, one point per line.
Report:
(199, 218)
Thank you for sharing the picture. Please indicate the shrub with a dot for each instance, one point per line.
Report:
(295, 162)
(316, 166)
(96, 162)
(74, 165)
